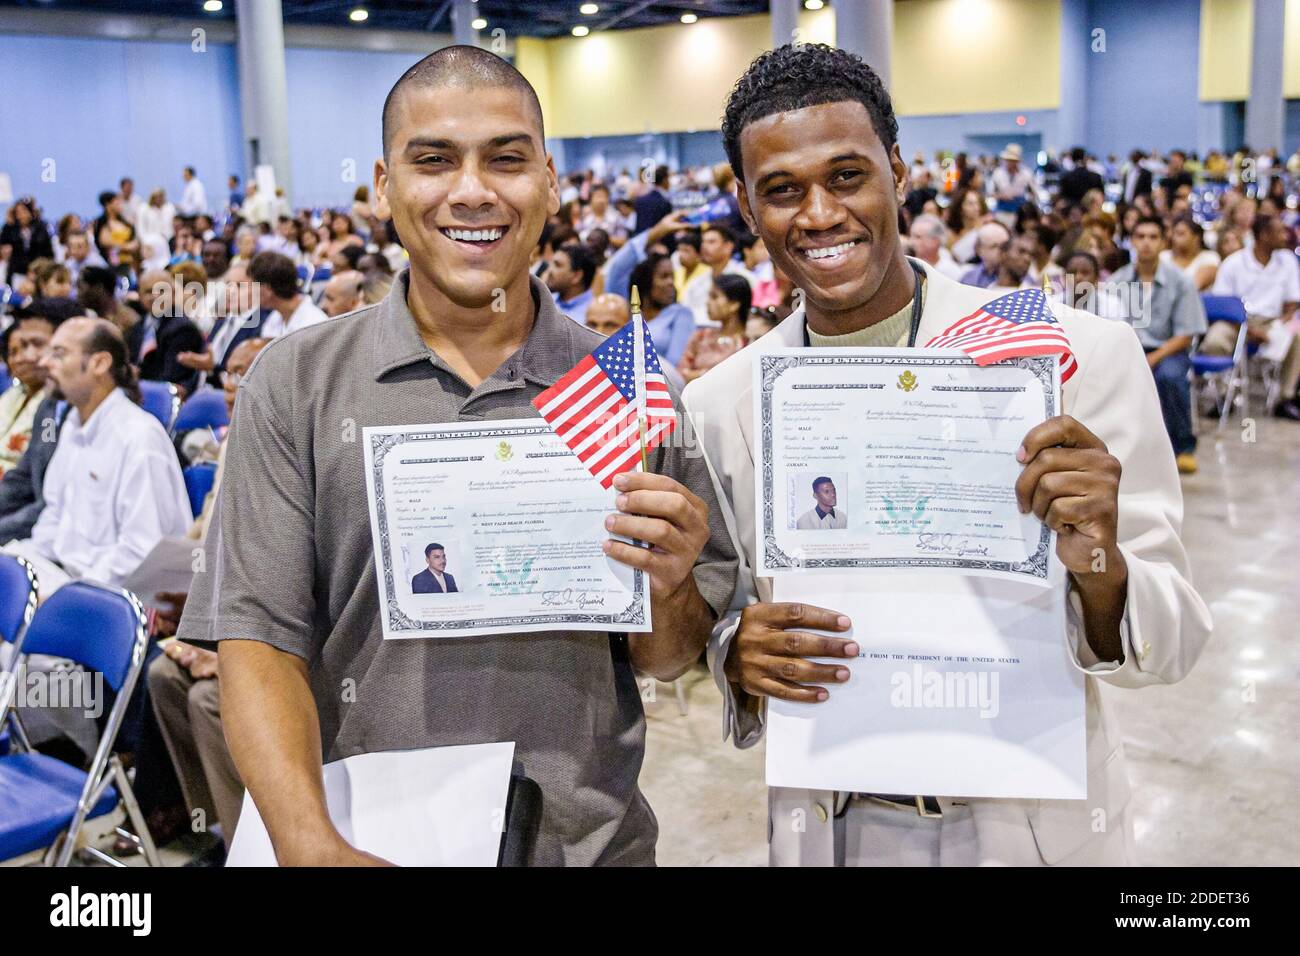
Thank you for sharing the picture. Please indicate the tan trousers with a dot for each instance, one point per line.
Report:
(1221, 339)
(189, 713)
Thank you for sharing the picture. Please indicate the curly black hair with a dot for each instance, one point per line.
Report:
(796, 76)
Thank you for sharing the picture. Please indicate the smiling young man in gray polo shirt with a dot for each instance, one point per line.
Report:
(466, 335)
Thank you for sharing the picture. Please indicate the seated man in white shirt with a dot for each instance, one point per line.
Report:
(277, 279)
(113, 488)
(1267, 280)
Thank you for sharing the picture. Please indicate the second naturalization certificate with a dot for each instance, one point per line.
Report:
(490, 528)
(897, 458)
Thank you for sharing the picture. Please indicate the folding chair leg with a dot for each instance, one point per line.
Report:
(133, 811)
(680, 690)
(74, 828)
(20, 732)
(1227, 401)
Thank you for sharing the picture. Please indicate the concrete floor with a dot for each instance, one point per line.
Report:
(1214, 760)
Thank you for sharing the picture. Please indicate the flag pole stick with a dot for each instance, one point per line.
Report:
(638, 356)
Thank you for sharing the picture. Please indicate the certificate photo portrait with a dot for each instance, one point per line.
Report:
(434, 578)
(814, 499)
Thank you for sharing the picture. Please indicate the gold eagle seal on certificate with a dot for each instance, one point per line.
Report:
(504, 451)
(907, 381)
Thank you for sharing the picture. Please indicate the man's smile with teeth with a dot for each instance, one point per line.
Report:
(827, 251)
(475, 235)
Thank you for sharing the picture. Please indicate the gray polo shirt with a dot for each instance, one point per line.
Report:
(289, 561)
(1174, 309)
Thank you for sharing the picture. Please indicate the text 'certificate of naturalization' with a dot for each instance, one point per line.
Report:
(491, 528)
(897, 458)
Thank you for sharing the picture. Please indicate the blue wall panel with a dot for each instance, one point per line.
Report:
(336, 100)
(1143, 90)
(102, 109)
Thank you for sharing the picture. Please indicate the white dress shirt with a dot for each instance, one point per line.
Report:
(306, 314)
(195, 198)
(155, 220)
(1263, 288)
(113, 490)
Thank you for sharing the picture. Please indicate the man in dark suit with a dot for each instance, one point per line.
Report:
(1137, 177)
(21, 489)
(240, 319)
(164, 332)
(655, 204)
(1078, 181)
(434, 579)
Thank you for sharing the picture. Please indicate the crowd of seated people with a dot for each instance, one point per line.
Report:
(187, 294)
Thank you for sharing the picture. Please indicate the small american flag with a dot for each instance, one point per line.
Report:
(593, 406)
(1019, 323)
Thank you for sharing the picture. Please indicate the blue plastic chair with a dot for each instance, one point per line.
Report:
(1223, 375)
(198, 482)
(162, 401)
(10, 299)
(304, 278)
(206, 408)
(18, 592)
(5, 378)
(41, 798)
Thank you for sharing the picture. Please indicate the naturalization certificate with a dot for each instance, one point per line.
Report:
(490, 528)
(897, 459)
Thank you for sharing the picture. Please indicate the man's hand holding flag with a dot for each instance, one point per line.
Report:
(611, 409)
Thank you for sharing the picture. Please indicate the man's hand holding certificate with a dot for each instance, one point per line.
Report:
(918, 513)
(897, 459)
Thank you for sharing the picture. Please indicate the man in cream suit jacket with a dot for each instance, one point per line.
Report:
(811, 134)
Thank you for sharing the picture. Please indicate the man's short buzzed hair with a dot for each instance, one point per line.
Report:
(434, 547)
(818, 482)
(465, 66)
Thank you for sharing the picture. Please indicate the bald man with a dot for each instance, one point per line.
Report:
(608, 313)
(343, 293)
(157, 342)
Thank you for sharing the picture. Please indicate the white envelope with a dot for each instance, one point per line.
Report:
(440, 806)
(903, 724)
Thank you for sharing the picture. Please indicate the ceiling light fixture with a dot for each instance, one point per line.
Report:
(813, 4)
(589, 9)
(478, 23)
(212, 6)
(359, 15)
(580, 31)
(689, 18)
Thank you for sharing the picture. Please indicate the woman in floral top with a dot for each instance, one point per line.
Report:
(24, 344)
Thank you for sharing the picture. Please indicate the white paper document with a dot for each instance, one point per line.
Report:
(490, 528)
(964, 688)
(441, 806)
(897, 458)
(169, 567)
